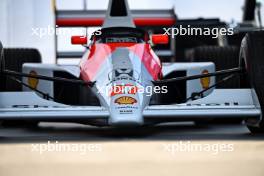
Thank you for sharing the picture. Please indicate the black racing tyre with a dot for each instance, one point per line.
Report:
(224, 58)
(252, 60)
(2, 66)
(14, 60)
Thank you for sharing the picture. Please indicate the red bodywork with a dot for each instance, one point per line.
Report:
(68, 22)
(100, 52)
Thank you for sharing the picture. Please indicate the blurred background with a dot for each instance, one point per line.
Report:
(19, 17)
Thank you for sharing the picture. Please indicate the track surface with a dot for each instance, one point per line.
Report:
(146, 151)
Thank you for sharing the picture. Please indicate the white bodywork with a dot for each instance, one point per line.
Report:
(191, 69)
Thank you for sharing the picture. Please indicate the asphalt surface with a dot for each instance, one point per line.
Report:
(178, 149)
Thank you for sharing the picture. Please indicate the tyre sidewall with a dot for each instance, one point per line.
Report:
(250, 63)
(2, 67)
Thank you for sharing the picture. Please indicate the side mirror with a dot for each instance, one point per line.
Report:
(79, 40)
(159, 39)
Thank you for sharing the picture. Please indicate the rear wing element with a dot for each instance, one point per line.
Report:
(92, 18)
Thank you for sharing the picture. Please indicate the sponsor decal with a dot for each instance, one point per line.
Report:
(123, 89)
(125, 100)
(123, 72)
(126, 111)
(33, 82)
(205, 82)
(126, 107)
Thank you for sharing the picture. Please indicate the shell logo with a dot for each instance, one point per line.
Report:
(205, 82)
(33, 82)
(125, 100)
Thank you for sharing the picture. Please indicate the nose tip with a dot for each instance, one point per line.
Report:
(117, 119)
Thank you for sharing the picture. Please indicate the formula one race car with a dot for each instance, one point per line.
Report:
(121, 82)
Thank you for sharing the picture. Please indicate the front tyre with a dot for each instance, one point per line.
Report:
(252, 60)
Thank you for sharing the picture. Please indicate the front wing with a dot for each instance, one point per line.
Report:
(222, 103)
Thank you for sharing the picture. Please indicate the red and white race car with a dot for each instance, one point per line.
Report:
(120, 81)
